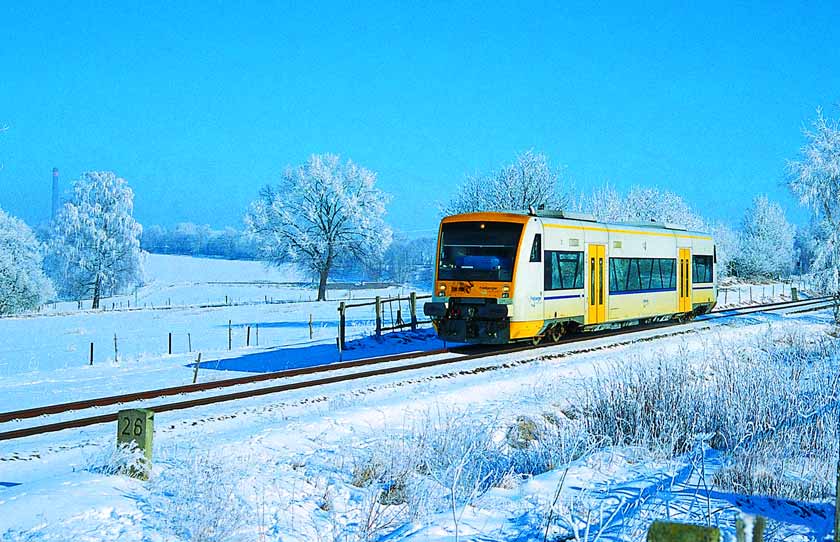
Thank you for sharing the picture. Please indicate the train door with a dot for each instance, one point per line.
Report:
(684, 277)
(597, 262)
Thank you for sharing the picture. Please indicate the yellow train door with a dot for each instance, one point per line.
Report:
(684, 288)
(597, 312)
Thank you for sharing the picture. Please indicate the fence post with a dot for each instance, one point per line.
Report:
(412, 303)
(310, 325)
(91, 354)
(116, 359)
(378, 316)
(170, 343)
(189, 342)
(197, 363)
(248, 336)
(341, 322)
(258, 334)
(230, 336)
(725, 295)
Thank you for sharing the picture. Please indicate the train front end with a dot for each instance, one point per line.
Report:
(474, 280)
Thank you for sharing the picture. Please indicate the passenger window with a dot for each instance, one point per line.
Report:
(655, 274)
(536, 249)
(642, 274)
(634, 281)
(563, 270)
(702, 268)
(645, 268)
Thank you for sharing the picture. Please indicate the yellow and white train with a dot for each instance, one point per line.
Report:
(504, 277)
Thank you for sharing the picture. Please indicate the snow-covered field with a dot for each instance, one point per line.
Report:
(44, 358)
(438, 454)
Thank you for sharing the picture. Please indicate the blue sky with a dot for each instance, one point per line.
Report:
(199, 104)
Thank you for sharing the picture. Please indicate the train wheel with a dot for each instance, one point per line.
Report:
(557, 334)
(536, 339)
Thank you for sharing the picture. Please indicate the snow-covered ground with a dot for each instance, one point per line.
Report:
(44, 358)
(307, 464)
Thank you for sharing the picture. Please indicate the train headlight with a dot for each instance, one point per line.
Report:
(442, 289)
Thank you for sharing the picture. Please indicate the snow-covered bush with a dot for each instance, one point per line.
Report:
(815, 179)
(320, 212)
(447, 460)
(121, 459)
(773, 399)
(528, 182)
(23, 285)
(95, 245)
(766, 242)
(198, 500)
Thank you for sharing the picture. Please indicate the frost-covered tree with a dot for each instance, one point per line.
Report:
(321, 211)
(727, 245)
(805, 245)
(528, 182)
(646, 204)
(95, 245)
(815, 179)
(766, 243)
(23, 285)
(605, 203)
(642, 204)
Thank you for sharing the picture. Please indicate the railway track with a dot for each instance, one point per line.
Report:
(378, 367)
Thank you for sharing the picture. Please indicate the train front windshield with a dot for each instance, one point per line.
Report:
(478, 251)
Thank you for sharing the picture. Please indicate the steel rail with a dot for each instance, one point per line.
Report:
(202, 401)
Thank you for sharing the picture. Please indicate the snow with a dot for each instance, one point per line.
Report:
(44, 358)
(281, 467)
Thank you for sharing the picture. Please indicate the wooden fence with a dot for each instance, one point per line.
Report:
(396, 320)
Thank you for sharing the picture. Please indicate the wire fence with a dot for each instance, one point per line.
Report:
(395, 321)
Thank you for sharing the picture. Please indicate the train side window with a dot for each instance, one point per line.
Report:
(619, 269)
(536, 249)
(642, 274)
(645, 273)
(655, 274)
(634, 277)
(702, 268)
(563, 270)
(668, 267)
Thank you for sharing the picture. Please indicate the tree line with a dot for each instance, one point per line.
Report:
(328, 216)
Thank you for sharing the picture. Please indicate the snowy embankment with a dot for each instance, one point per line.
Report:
(481, 455)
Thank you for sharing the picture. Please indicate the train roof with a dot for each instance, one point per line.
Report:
(567, 216)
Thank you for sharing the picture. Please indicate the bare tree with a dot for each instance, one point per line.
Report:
(320, 211)
(815, 179)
